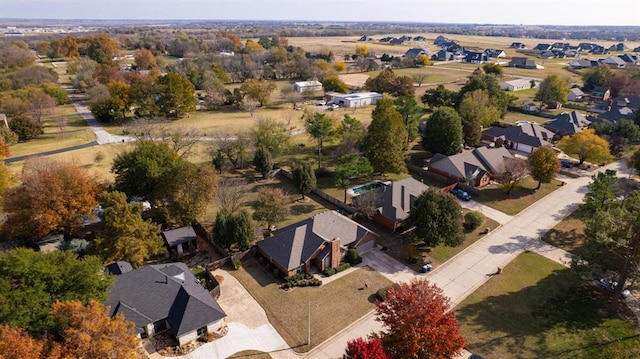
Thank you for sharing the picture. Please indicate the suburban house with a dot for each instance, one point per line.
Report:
(416, 51)
(523, 63)
(443, 55)
(548, 55)
(630, 59)
(618, 47)
(614, 62)
(542, 47)
(524, 138)
(616, 114)
(600, 93)
(320, 241)
(518, 45)
(396, 200)
(475, 58)
(419, 38)
(515, 85)
(583, 64)
(180, 239)
(633, 102)
(568, 123)
(575, 95)
(365, 38)
(495, 53)
(164, 297)
(530, 107)
(307, 86)
(473, 167)
(357, 99)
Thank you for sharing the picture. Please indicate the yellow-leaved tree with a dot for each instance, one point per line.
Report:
(587, 146)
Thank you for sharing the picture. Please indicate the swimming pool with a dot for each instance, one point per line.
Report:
(366, 187)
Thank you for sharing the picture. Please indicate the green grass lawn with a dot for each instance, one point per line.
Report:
(513, 117)
(568, 234)
(334, 305)
(538, 309)
(520, 197)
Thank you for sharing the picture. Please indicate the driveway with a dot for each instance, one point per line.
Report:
(494, 214)
(248, 326)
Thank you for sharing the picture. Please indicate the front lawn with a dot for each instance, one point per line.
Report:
(568, 234)
(334, 306)
(520, 197)
(539, 309)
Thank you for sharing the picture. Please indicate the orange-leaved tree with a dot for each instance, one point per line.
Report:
(16, 343)
(89, 332)
(419, 322)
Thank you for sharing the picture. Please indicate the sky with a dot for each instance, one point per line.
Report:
(525, 12)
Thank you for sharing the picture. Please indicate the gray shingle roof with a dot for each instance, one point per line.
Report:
(397, 198)
(179, 235)
(297, 243)
(530, 134)
(119, 267)
(616, 114)
(164, 291)
(480, 160)
(568, 123)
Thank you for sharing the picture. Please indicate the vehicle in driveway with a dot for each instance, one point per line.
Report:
(610, 286)
(566, 163)
(461, 194)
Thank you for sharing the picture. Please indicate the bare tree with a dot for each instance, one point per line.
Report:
(40, 104)
(181, 139)
(367, 204)
(419, 78)
(291, 96)
(231, 192)
(61, 121)
(511, 173)
(249, 104)
(235, 148)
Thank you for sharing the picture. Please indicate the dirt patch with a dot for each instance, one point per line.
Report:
(354, 80)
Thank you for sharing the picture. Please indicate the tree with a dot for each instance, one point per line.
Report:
(385, 139)
(40, 103)
(320, 127)
(411, 113)
(231, 193)
(30, 282)
(481, 81)
(620, 134)
(16, 343)
(258, 90)
(352, 133)
(419, 78)
(362, 50)
(233, 229)
(271, 135)
(511, 173)
(263, 161)
(476, 111)
(587, 146)
(634, 161)
(52, 196)
(595, 76)
(439, 97)
(443, 132)
(175, 95)
(145, 60)
(271, 206)
(543, 164)
(365, 349)
(419, 322)
(304, 177)
(333, 83)
(88, 332)
(601, 194)
(552, 90)
(388, 82)
(348, 167)
(124, 235)
(491, 68)
(612, 243)
(25, 127)
(437, 219)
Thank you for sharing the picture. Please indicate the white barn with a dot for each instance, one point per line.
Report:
(515, 85)
(307, 86)
(357, 99)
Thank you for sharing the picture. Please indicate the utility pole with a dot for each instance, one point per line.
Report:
(309, 322)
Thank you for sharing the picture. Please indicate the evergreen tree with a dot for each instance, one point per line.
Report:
(304, 178)
(263, 161)
(443, 132)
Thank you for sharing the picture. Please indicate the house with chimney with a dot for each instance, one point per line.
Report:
(319, 242)
(473, 167)
(523, 138)
(396, 200)
(164, 298)
(568, 123)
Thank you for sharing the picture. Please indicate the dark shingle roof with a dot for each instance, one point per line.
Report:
(528, 134)
(397, 198)
(478, 161)
(568, 123)
(415, 52)
(164, 291)
(179, 235)
(295, 244)
(616, 114)
(119, 267)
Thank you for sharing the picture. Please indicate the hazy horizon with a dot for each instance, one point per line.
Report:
(514, 12)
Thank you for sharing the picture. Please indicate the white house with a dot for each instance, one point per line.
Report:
(515, 85)
(307, 86)
(357, 99)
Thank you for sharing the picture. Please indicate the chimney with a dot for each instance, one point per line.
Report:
(335, 252)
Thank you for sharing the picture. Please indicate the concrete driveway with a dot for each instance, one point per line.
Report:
(248, 326)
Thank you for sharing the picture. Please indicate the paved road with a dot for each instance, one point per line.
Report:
(101, 135)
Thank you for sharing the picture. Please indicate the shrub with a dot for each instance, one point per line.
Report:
(382, 292)
(353, 257)
(473, 220)
(25, 127)
(237, 264)
(343, 266)
(329, 272)
(8, 136)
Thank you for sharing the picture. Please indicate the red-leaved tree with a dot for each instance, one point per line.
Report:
(360, 348)
(419, 322)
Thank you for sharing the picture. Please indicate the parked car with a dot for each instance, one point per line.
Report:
(566, 163)
(610, 286)
(461, 194)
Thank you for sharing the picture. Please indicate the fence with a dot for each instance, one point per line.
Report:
(334, 201)
(449, 182)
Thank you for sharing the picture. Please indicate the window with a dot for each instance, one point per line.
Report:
(202, 331)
